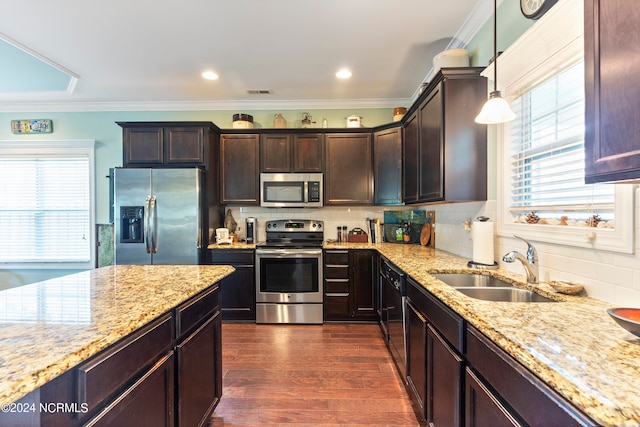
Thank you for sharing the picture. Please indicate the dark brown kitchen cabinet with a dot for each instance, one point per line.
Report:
(417, 356)
(363, 275)
(430, 147)
(387, 167)
(238, 289)
(167, 144)
(291, 152)
(349, 285)
(200, 371)
(148, 402)
(435, 340)
(349, 169)
(337, 285)
(611, 90)
(239, 169)
(482, 408)
(410, 159)
(444, 381)
(500, 387)
(445, 151)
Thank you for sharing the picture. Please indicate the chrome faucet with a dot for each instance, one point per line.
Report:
(530, 263)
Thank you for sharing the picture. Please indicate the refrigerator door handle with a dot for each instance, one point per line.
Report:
(147, 227)
(154, 225)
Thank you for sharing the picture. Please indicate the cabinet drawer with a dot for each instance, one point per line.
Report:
(336, 272)
(530, 398)
(149, 401)
(232, 257)
(336, 258)
(102, 376)
(445, 320)
(336, 285)
(189, 314)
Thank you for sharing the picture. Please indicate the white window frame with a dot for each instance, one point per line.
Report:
(550, 43)
(57, 148)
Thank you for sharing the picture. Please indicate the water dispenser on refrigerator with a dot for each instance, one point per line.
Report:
(132, 224)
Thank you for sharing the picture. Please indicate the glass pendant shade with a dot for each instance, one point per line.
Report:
(495, 110)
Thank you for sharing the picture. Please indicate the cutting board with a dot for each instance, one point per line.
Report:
(425, 234)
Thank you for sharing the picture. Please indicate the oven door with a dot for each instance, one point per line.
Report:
(289, 275)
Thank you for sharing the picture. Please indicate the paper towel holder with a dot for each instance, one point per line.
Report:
(479, 265)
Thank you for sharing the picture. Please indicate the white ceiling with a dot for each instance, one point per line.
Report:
(143, 54)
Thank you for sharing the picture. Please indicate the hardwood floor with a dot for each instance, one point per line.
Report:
(309, 375)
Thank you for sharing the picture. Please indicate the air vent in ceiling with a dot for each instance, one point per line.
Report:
(259, 92)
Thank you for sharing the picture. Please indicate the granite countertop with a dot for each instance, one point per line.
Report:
(572, 344)
(49, 327)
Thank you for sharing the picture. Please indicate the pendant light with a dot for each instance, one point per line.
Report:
(496, 109)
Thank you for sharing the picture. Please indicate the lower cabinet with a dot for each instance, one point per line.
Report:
(435, 364)
(417, 355)
(444, 381)
(349, 285)
(238, 289)
(199, 370)
(167, 373)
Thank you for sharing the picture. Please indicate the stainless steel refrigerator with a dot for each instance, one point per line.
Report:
(160, 216)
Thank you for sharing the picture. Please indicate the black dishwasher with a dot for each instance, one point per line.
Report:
(393, 293)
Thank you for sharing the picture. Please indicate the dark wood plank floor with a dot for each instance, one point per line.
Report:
(309, 375)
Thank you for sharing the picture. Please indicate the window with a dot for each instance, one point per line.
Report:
(546, 156)
(541, 191)
(46, 204)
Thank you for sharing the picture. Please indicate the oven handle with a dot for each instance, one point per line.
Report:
(289, 253)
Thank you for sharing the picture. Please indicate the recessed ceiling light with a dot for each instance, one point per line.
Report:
(343, 74)
(210, 75)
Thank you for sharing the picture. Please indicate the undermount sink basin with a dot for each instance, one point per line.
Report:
(504, 294)
(460, 280)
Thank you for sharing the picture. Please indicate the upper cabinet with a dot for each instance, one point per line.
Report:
(239, 169)
(291, 152)
(445, 151)
(349, 172)
(387, 166)
(166, 144)
(612, 130)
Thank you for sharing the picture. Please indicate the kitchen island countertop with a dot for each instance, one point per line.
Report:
(49, 327)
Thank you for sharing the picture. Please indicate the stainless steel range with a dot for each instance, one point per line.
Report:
(289, 273)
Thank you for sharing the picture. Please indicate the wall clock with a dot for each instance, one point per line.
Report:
(534, 9)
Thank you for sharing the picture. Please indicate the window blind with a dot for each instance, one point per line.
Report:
(45, 209)
(546, 151)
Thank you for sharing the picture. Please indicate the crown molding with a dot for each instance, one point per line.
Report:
(318, 104)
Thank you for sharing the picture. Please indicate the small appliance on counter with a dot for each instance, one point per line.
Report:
(252, 230)
(223, 237)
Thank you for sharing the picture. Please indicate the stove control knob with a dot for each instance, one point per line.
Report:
(319, 225)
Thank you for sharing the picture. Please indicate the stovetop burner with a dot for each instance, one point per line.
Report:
(297, 234)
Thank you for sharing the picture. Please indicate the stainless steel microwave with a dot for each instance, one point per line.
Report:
(291, 190)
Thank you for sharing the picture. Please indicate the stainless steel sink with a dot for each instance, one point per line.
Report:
(458, 280)
(504, 294)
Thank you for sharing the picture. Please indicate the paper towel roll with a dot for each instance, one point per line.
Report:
(482, 236)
